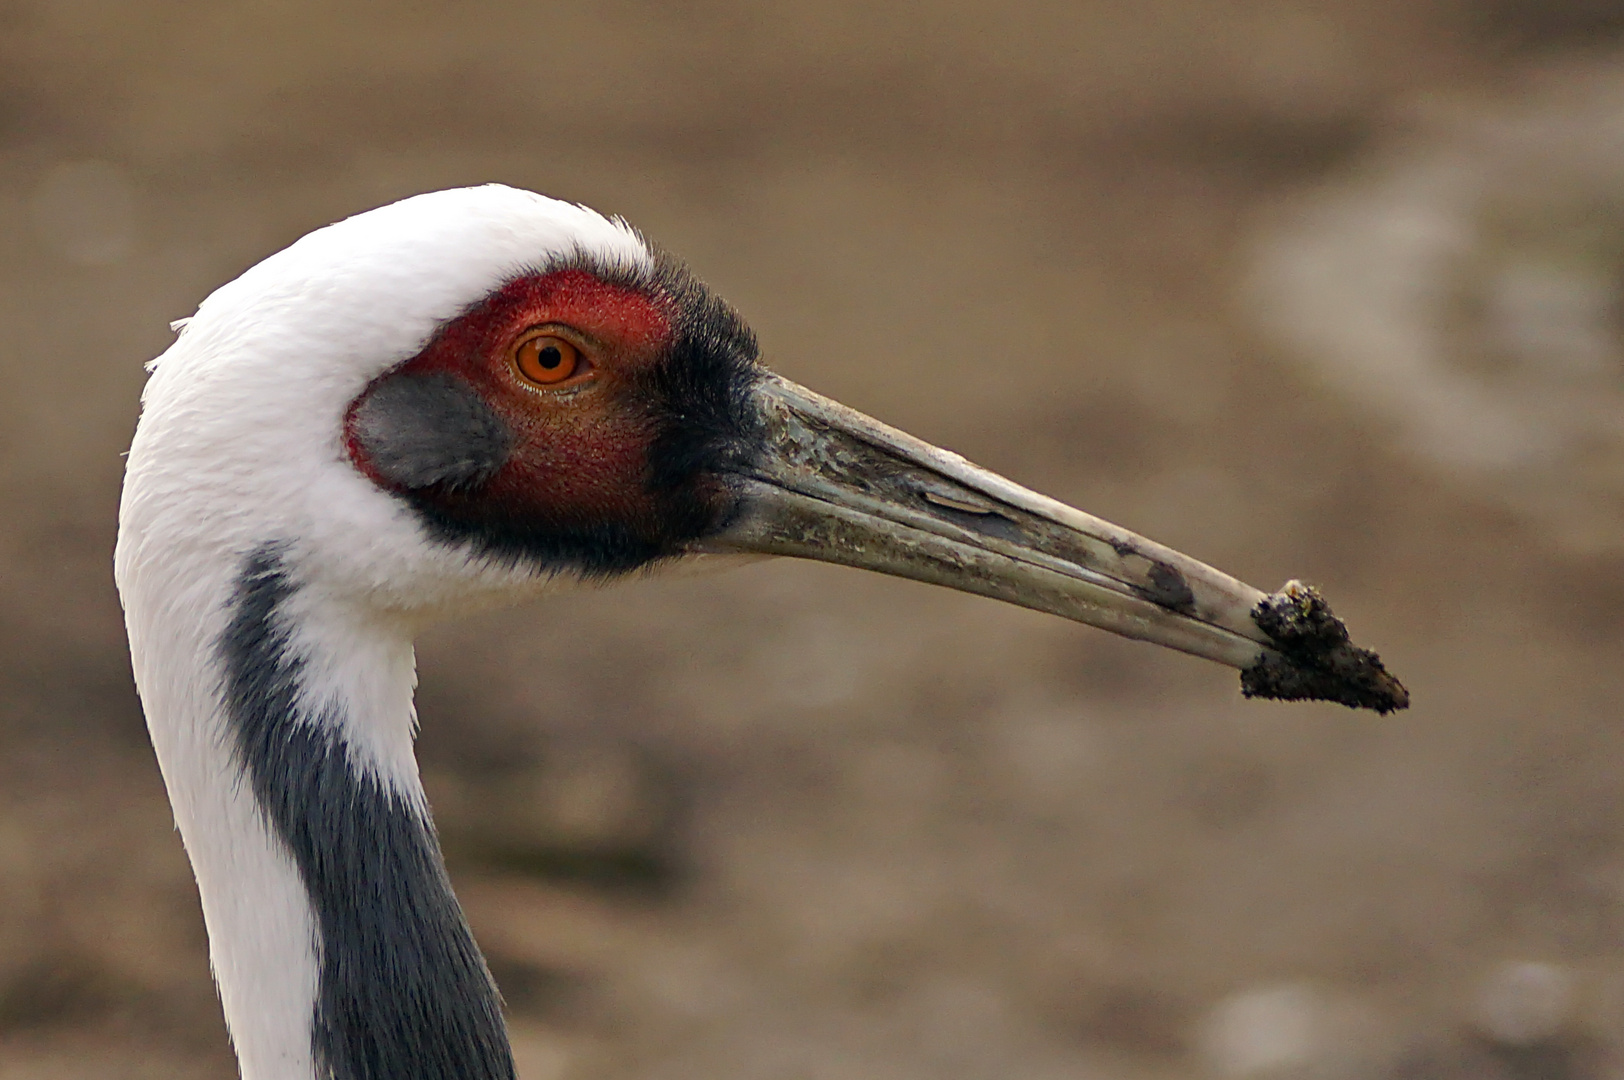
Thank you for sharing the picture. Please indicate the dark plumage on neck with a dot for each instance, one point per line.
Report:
(403, 991)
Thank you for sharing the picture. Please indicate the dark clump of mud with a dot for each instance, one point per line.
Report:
(1316, 661)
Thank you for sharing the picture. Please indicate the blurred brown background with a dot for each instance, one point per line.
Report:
(1316, 288)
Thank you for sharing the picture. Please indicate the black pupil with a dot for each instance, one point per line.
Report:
(550, 357)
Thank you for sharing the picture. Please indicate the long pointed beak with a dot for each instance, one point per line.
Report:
(840, 487)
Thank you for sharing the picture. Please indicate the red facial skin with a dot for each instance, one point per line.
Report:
(580, 447)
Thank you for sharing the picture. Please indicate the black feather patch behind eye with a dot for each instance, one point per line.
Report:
(702, 386)
(421, 430)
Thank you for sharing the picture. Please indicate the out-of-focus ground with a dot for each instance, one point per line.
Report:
(1317, 289)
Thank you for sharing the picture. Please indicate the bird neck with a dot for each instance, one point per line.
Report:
(284, 731)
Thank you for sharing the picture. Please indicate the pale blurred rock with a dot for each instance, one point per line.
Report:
(1521, 1003)
(1297, 1029)
(1264, 1031)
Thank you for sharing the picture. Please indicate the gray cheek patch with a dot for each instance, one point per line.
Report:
(422, 430)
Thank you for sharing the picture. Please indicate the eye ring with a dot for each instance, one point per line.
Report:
(547, 359)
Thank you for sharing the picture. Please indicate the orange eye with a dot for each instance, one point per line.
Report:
(547, 359)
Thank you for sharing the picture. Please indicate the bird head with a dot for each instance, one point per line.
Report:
(473, 395)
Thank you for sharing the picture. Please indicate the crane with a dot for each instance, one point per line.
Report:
(468, 398)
